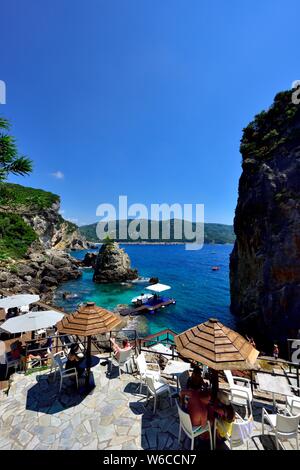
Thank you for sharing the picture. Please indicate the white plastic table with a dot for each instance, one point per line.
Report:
(164, 350)
(274, 384)
(176, 368)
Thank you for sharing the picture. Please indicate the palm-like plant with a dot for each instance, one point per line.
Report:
(10, 161)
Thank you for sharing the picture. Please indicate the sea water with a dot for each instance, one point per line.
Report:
(200, 292)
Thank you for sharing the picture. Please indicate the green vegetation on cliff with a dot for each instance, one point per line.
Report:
(271, 129)
(15, 236)
(16, 200)
(18, 196)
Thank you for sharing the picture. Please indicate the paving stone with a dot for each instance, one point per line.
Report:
(170, 442)
(91, 446)
(105, 433)
(135, 430)
(24, 437)
(144, 442)
(174, 429)
(121, 439)
(151, 435)
(35, 416)
(33, 443)
(76, 446)
(162, 440)
(87, 426)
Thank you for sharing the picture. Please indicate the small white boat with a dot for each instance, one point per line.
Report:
(141, 280)
(141, 299)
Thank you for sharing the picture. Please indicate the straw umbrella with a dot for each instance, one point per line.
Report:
(218, 347)
(87, 321)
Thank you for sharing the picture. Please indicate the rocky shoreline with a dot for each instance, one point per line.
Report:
(40, 272)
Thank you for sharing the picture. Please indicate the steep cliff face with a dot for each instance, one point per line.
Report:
(53, 231)
(265, 262)
(33, 237)
(40, 210)
(113, 265)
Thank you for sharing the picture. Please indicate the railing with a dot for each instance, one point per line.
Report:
(165, 337)
(99, 344)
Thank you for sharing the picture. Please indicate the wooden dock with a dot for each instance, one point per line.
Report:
(145, 308)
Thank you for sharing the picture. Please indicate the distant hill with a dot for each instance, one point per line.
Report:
(213, 233)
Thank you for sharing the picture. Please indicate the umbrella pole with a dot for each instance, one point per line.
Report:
(214, 383)
(88, 362)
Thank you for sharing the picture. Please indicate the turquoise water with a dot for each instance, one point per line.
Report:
(200, 293)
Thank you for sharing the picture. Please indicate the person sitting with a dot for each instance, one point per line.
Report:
(195, 403)
(73, 361)
(196, 380)
(31, 355)
(225, 414)
(126, 346)
(17, 350)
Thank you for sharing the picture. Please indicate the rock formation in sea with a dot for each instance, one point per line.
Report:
(113, 265)
(265, 261)
(89, 260)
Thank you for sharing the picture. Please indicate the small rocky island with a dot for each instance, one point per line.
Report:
(113, 265)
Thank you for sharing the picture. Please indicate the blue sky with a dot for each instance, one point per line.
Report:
(142, 98)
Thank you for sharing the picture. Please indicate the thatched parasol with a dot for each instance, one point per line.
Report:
(216, 346)
(87, 321)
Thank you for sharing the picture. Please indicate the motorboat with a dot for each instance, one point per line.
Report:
(141, 280)
(215, 268)
(141, 299)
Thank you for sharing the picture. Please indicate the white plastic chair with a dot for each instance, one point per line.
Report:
(64, 373)
(156, 388)
(9, 362)
(121, 361)
(191, 431)
(146, 368)
(293, 403)
(241, 431)
(240, 395)
(183, 379)
(60, 354)
(283, 426)
(24, 309)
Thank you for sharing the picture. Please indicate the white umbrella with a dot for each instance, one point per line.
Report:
(32, 321)
(158, 287)
(19, 300)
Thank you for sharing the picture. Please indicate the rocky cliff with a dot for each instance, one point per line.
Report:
(33, 237)
(40, 209)
(39, 272)
(265, 262)
(55, 232)
(113, 265)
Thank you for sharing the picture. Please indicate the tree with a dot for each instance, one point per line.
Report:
(10, 160)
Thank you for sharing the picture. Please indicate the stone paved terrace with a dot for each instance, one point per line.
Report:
(113, 417)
